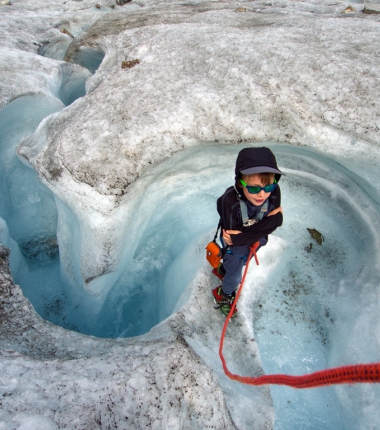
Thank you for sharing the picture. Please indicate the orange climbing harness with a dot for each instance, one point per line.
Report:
(353, 374)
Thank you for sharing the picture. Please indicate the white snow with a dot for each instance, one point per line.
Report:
(123, 166)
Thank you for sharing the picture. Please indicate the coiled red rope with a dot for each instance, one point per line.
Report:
(353, 374)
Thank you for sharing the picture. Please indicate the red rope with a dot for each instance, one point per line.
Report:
(357, 373)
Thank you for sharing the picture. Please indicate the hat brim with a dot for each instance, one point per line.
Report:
(261, 169)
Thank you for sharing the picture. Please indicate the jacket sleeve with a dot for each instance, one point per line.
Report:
(257, 231)
(228, 207)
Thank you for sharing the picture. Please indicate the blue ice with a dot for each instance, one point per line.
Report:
(315, 311)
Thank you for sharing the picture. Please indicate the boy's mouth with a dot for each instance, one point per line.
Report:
(259, 201)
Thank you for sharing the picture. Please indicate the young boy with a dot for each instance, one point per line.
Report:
(249, 211)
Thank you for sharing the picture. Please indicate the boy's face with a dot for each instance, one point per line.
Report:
(259, 198)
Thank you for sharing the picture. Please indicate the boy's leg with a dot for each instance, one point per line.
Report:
(233, 265)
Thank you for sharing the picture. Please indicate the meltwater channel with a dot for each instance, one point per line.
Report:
(311, 312)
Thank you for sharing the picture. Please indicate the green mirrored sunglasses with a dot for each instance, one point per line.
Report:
(255, 189)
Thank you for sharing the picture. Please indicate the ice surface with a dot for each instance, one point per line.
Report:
(155, 381)
(199, 79)
(304, 313)
(130, 162)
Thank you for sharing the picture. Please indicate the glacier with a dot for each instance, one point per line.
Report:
(119, 128)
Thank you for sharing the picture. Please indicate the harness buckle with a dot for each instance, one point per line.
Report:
(250, 222)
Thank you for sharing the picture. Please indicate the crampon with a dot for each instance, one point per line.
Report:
(223, 303)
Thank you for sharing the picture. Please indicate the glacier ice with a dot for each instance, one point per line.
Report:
(121, 157)
(177, 97)
(304, 289)
(27, 205)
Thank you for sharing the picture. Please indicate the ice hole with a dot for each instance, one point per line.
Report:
(73, 86)
(88, 58)
(308, 314)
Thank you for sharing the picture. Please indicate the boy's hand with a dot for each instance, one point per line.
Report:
(227, 235)
(275, 211)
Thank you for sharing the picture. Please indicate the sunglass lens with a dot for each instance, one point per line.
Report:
(270, 188)
(253, 189)
(256, 189)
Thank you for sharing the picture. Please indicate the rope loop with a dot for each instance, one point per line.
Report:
(353, 374)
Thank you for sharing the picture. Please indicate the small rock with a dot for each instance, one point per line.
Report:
(121, 2)
(240, 9)
(63, 30)
(316, 235)
(5, 3)
(371, 8)
(349, 9)
(129, 64)
(97, 6)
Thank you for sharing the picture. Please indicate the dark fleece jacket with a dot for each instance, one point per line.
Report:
(228, 205)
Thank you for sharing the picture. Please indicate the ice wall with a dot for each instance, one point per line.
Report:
(200, 76)
(28, 208)
(304, 73)
(55, 378)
